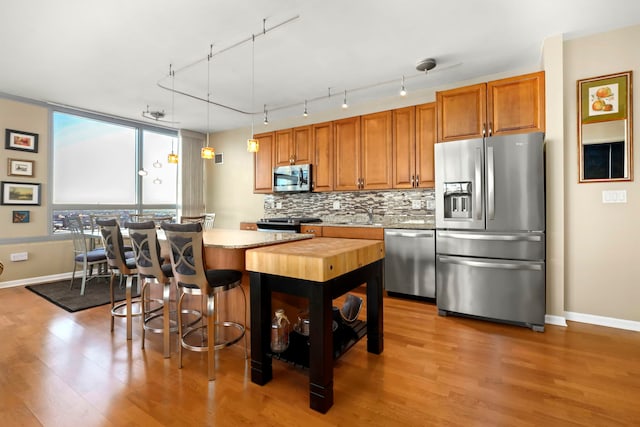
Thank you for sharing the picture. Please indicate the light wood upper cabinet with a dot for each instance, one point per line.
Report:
(346, 145)
(263, 163)
(425, 139)
(462, 112)
(293, 146)
(516, 104)
(376, 151)
(322, 169)
(414, 134)
(501, 107)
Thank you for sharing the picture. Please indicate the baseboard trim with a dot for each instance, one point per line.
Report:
(35, 280)
(555, 320)
(610, 322)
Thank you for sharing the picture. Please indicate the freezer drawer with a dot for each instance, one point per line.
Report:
(510, 245)
(409, 263)
(507, 290)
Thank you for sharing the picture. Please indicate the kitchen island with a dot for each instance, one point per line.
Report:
(320, 270)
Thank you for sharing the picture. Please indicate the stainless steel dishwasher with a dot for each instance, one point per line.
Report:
(409, 263)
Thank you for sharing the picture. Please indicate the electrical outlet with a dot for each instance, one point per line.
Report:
(279, 205)
(431, 204)
(416, 204)
(19, 256)
(336, 204)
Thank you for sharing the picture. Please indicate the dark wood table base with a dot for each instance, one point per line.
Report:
(320, 295)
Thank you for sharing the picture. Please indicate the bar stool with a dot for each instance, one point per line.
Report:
(152, 270)
(121, 265)
(187, 262)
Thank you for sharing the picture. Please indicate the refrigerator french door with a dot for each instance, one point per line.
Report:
(490, 220)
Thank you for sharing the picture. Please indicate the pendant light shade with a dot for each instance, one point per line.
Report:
(253, 145)
(207, 153)
(172, 158)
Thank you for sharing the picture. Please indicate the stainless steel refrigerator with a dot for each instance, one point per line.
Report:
(490, 228)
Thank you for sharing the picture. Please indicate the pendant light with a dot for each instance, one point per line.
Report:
(266, 119)
(344, 102)
(305, 113)
(172, 158)
(208, 152)
(403, 90)
(252, 144)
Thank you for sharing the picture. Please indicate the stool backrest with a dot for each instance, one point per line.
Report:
(187, 254)
(146, 248)
(113, 245)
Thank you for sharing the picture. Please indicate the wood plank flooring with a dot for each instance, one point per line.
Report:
(67, 369)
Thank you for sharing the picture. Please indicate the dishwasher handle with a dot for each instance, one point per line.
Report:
(409, 233)
(504, 265)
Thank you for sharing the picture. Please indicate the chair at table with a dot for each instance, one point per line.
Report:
(121, 265)
(209, 219)
(150, 217)
(187, 262)
(152, 271)
(84, 255)
(206, 220)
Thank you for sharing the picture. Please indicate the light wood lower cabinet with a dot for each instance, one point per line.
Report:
(248, 226)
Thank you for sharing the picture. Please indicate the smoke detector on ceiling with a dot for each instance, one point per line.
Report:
(426, 64)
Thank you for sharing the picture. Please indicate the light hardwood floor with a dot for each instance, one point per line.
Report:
(63, 369)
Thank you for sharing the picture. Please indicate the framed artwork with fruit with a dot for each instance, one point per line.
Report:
(604, 98)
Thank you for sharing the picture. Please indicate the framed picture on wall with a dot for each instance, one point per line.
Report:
(19, 193)
(18, 167)
(604, 98)
(21, 141)
(21, 217)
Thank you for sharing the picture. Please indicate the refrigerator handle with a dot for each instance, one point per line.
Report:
(491, 194)
(503, 265)
(477, 208)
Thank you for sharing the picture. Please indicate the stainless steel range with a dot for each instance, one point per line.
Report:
(284, 224)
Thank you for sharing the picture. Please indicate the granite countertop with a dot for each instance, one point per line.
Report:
(243, 239)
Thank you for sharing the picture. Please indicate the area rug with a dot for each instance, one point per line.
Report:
(96, 293)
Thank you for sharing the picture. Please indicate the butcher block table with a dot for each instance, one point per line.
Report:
(319, 269)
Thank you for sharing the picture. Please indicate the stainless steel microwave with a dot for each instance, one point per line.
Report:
(292, 179)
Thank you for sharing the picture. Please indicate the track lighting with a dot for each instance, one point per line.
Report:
(266, 119)
(344, 102)
(157, 164)
(143, 172)
(403, 91)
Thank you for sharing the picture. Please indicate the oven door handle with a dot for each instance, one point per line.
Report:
(489, 264)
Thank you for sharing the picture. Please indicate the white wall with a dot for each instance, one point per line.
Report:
(602, 240)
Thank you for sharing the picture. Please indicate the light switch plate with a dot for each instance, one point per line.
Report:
(416, 204)
(614, 196)
(19, 256)
(278, 205)
(336, 204)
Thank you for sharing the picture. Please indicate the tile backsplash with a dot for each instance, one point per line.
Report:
(389, 206)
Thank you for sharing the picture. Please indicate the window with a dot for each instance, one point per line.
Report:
(110, 167)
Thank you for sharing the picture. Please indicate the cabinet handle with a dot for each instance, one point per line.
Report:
(484, 129)
(412, 181)
(490, 128)
(417, 180)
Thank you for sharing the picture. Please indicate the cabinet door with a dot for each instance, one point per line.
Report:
(462, 112)
(316, 230)
(302, 145)
(263, 164)
(346, 145)
(322, 169)
(282, 150)
(376, 151)
(516, 104)
(404, 147)
(425, 140)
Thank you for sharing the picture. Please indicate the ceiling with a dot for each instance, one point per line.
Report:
(113, 56)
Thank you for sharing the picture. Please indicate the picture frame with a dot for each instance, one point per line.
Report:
(604, 98)
(20, 167)
(21, 217)
(21, 141)
(19, 193)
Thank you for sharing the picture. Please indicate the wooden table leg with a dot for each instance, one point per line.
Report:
(260, 297)
(321, 348)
